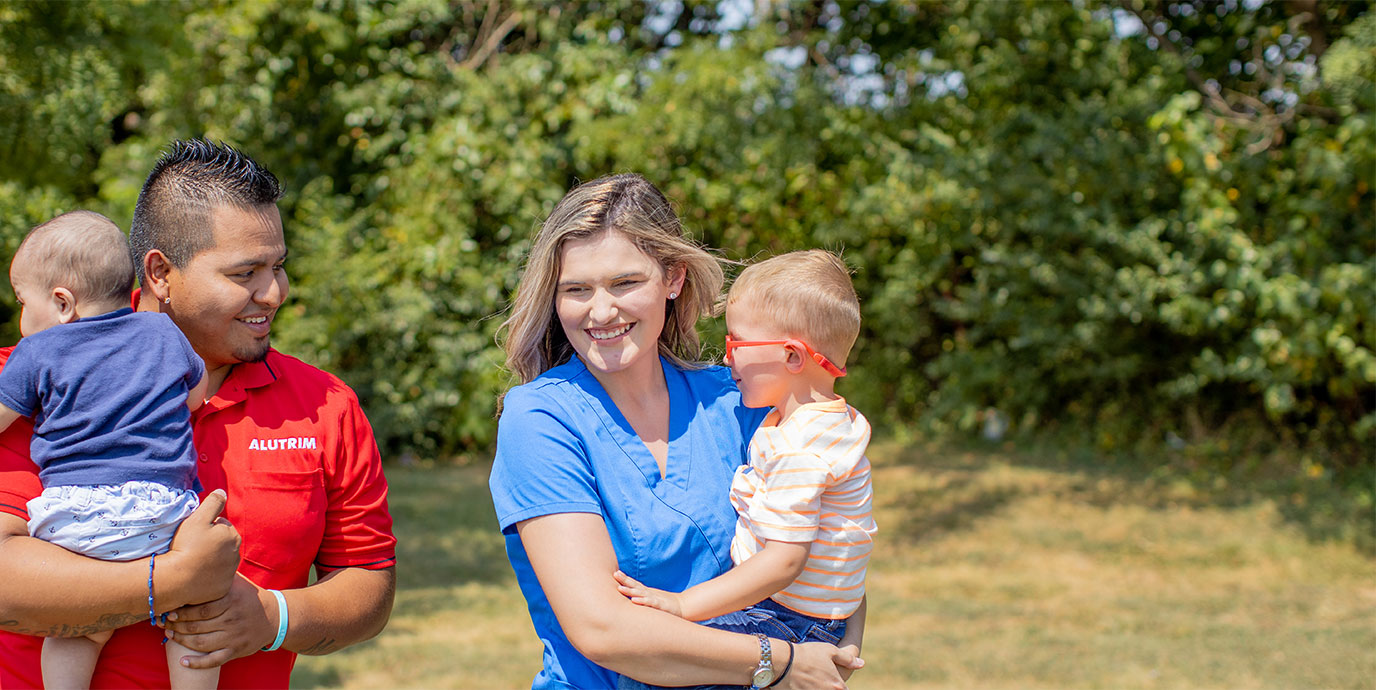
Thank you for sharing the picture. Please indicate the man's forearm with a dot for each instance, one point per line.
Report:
(345, 607)
(52, 592)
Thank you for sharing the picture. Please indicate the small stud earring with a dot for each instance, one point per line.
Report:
(167, 300)
(673, 295)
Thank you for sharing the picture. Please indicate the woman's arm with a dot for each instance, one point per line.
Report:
(573, 558)
(50, 591)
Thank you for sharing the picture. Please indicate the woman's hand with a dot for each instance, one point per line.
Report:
(638, 593)
(819, 665)
(846, 671)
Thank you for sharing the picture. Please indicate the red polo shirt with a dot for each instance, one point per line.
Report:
(292, 448)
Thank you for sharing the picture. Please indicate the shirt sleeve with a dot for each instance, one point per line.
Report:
(195, 366)
(19, 380)
(542, 465)
(358, 524)
(792, 483)
(18, 475)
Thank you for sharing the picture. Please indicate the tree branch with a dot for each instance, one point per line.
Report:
(493, 41)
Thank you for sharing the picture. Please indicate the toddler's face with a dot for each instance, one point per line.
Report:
(760, 371)
(39, 309)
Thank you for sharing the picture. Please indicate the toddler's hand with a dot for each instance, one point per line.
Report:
(631, 588)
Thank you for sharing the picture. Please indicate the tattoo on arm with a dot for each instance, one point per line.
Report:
(109, 621)
(324, 646)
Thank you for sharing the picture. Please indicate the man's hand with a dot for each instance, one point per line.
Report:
(203, 558)
(638, 593)
(238, 624)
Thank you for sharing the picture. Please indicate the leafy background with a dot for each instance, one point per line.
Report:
(1139, 223)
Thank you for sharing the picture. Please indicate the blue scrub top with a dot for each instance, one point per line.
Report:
(564, 447)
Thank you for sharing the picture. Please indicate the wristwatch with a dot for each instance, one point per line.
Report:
(764, 673)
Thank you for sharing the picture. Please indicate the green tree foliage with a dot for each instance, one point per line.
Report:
(1134, 217)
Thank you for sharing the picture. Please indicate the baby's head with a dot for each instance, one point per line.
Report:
(804, 296)
(73, 266)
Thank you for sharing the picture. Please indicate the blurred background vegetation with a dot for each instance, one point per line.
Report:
(1146, 224)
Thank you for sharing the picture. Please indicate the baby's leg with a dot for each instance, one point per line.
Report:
(184, 678)
(69, 662)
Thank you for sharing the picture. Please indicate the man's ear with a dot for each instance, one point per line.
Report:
(66, 304)
(156, 269)
(794, 357)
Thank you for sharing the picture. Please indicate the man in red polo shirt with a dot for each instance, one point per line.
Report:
(287, 442)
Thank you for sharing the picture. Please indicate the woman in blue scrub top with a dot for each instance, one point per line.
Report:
(618, 448)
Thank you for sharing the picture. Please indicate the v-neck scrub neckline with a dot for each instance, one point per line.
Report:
(564, 447)
(677, 465)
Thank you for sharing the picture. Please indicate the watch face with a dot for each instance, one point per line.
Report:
(763, 677)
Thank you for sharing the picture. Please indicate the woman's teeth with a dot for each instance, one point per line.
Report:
(606, 335)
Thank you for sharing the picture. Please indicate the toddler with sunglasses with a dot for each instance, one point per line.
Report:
(804, 530)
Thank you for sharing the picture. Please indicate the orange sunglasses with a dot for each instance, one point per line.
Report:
(732, 343)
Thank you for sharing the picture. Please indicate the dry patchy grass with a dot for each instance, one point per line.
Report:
(993, 570)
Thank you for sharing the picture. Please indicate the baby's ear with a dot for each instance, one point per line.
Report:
(66, 304)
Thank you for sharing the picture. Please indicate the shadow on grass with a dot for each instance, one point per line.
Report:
(1322, 506)
(446, 528)
(952, 506)
(310, 676)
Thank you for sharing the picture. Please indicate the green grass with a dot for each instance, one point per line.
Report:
(994, 568)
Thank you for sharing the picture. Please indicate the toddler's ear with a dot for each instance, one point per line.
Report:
(794, 358)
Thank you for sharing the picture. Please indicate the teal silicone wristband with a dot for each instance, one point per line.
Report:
(281, 622)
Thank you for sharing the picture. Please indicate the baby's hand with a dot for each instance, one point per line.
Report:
(631, 588)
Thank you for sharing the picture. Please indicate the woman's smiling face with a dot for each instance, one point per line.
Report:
(610, 299)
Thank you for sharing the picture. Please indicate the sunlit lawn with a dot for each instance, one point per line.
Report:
(995, 568)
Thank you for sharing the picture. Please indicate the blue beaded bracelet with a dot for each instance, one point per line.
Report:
(152, 616)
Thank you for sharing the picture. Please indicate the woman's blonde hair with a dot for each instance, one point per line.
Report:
(534, 339)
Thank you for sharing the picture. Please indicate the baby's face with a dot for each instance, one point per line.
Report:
(39, 308)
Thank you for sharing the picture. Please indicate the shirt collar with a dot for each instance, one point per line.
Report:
(243, 378)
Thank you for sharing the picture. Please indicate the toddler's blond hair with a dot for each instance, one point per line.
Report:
(806, 295)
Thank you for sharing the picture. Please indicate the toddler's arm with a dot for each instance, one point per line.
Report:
(771, 569)
(7, 417)
(855, 635)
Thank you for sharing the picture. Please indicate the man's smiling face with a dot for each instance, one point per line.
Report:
(226, 296)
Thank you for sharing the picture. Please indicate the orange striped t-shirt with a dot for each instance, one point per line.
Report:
(808, 480)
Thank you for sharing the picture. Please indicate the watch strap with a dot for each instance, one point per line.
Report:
(763, 676)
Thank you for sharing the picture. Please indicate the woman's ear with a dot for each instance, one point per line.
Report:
(66, 305)
(677, 276)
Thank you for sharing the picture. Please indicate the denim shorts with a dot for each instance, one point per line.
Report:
(772, 619)
(119, 522)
